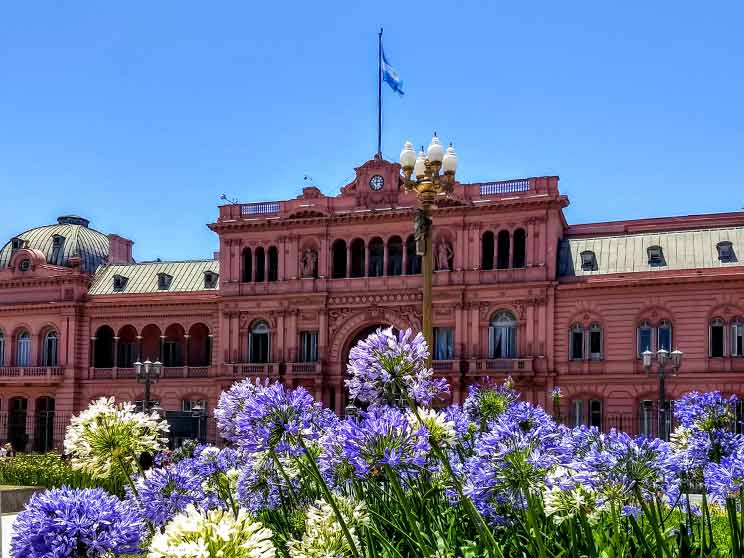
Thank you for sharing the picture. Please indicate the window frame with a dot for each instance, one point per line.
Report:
(665, 325)
(308, 353)
(588, 260)
(574, 331)
(510, 327)
(50, 349)
(656, 256)
(253, 359)
(737, 337)
(644, 325)
(725, 250)
(597, 328)
(717, 323)
(23, 349)
(449, 333)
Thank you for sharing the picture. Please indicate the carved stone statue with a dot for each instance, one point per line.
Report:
(421, 225)
(443, 254)
(309, 262)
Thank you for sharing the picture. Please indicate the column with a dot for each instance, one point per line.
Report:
(266, 264)
(385, 258)
(92, 352)
(235, 350)
(459, 345)
(475, 336)
(280, 349)
(116, 355)
(162, 348)
(459, 263)
(405, 258)
(187, 342)
(530, 244)
(348, 259)
(322, 334)
(511, 248)
(281, 263)
(210, 351)
(139, 349)
(323, 271)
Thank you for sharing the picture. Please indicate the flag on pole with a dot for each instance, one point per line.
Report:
(390, 76)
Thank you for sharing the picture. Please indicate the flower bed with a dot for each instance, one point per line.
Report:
(495, 477)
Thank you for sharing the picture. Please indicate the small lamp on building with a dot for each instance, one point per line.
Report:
(148, 373)
(198, 412)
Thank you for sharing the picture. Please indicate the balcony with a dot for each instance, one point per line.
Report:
(24, 374)
(311, 369)
(513, 366)
(250, 370)
(169, 372)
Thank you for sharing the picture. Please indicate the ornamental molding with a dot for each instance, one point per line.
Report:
(374, 299)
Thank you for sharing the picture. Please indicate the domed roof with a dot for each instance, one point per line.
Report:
(70, 237)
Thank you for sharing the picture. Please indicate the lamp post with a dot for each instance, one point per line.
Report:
(663, 358)
(429, 175)
(148, 373)
(198, 412)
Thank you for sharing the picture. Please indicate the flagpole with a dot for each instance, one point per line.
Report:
(379, 94)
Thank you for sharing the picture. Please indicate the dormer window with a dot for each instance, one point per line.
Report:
(16, 244)
(655, 256)
(210, 279)
(725, 251)
(164, 281)
(24, 265)
(588, 261)
(58, 243)
(120, 283)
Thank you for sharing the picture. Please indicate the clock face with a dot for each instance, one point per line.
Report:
(376, 182)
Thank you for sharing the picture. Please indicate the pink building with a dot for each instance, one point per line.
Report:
(517, 292)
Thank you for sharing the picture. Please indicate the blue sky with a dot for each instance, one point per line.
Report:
(138, 115)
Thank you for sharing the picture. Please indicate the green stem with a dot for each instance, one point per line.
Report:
(329, 497)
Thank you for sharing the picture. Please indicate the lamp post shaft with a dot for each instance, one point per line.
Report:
(146, 402)
(428, 272)
(662, 405)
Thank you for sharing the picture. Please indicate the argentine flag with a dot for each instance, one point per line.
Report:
(390, 76)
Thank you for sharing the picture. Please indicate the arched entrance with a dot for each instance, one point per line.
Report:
(44, 431)
(17, 432)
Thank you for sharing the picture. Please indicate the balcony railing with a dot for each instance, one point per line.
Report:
(47, 372)
(261, 208)
(504, 187)
(249, 369)
(300, 368)
(168, 372)
(443, 365)
(504, 365)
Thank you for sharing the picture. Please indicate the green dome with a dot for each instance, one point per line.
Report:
(70, 237)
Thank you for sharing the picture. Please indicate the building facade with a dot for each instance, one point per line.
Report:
(517, 292)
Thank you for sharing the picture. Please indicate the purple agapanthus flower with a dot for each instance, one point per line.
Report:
(231, 403)
(705, 411)
(515, 456)
(487, 401)
(726, 479)
(274, 418)
(164, 492)
(70, 523)
(262, 487)
(382, 437)
(391, 369)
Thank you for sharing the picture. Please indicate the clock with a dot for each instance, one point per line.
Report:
(376, 183)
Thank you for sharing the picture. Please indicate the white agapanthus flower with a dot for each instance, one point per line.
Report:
(108, 438)
(441, 431)
(561, 504)
(212, 534)
(323, 535)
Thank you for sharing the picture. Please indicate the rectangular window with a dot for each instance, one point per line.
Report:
(595, 413)
(595, 343)
(194, 405)
(444, 348)
(24, 352)
(308, 346)
(644, 340)
(577, 413)
(665, 338)
(50, 351)
(577, 344)
(737, 339)
(502, 342)
(716, 340)
(139, 405)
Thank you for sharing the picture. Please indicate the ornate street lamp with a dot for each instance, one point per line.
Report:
(430, 175)
(148, 373)
(663, 358)
(199, 413)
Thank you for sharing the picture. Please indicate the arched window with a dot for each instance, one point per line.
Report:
(247, 265)
(717, 338)
(520, 247)
(259, 343)
(413, 260)
(502, 259)
(645, 341)
(338, 259)
(23, 349)
(664, 335)
(103, 348)
(376, 257)
(273, 263)
(596, 343)
(2, 349)
(357, 258)
(502, 335)
(44, 431)
(487, 250)
(260, 265)
(49, 349)
(576, 348)
(737, 337)
(395, 256)
(586, 412)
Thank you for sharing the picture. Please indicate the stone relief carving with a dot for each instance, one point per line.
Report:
(443, 255)
(309, 262)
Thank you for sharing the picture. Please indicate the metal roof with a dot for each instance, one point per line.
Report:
(688, 249)
(90, 245)
(188, 276)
